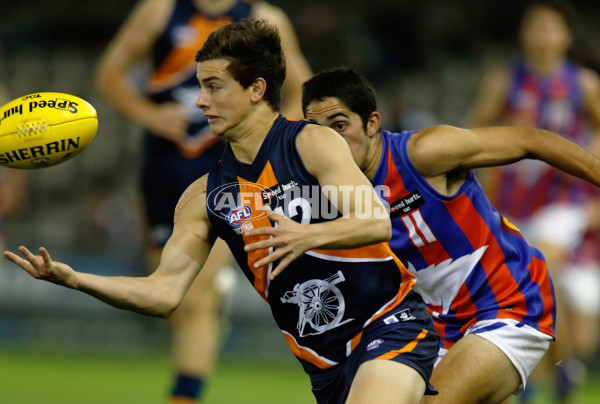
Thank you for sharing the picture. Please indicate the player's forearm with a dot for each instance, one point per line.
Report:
(352, 231)
(564, 154)
(144, 295)
(123, 96)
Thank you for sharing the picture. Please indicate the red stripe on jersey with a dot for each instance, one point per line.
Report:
(393, 180)
(432, 252)
(499, 279)
(538, 272)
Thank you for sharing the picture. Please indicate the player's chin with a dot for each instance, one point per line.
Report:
(216, 127)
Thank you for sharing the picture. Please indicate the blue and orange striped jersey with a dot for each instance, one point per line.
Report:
(553, 102)
(173, 77)
(325, 298)
(471, 264)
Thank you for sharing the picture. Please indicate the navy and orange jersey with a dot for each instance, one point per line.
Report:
(553, 102)
(471, 263)
(173, 78)
(325, 298)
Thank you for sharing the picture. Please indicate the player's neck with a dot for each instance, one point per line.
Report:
(373, 156)
(545, 65)
(214, 7)
(250, 134)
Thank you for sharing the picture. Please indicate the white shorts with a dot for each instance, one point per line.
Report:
(523, 345)
(560, 224)
(580, 287)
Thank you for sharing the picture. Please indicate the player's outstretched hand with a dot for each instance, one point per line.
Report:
(42, 266)
(289, 241)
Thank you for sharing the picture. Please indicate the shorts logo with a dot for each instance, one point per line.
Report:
(401, 316)
(374, 344)
(239, 215)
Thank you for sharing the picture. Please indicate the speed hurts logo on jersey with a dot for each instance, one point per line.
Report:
(406, 204)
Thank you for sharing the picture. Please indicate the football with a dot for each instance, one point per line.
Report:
(44, 129)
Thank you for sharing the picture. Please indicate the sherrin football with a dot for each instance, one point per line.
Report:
(44, 129)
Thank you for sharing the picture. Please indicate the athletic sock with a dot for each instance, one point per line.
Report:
(188, 387)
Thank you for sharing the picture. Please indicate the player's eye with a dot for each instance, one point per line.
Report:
(339, 126)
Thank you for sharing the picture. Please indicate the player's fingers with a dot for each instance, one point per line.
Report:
(283, 264)
(271, 242)
(262, 231)
(273, 216)
(46, 256)
(29, 256)
(20, 262)
(274, 256)
(257, 245)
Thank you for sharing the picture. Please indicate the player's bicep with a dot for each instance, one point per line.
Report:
(192, 232)
(327, 156)
(442, 149)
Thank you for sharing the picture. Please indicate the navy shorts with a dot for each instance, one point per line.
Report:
(408, 329)
(166, 174)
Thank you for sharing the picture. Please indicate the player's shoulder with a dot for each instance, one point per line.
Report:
(589, 79)
(313, 134)
(192, 202)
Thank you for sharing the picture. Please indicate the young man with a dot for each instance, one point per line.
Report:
(487, 289)
(341, 298)
(544, 89)
(179, 148)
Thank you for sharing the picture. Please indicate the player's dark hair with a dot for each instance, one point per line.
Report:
(254, 48)
(347, 85)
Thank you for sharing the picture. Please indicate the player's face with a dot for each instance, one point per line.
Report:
(222, 99)
(335, 114)
(545, 33)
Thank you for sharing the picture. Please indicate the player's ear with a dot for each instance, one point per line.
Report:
(373, 124)
(258, 88)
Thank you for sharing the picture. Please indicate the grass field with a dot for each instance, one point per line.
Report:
(36, 377)
(33, 377)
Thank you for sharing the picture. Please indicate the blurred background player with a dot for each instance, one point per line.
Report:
(179, 148)
(557, 213)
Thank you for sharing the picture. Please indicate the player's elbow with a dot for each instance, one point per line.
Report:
(166, 308)
(385, 226)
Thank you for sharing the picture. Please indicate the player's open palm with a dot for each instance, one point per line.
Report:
(42, 266)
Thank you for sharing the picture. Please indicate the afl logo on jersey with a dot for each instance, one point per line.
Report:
(239, 216)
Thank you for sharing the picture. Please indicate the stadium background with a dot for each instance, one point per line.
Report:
(425, 59)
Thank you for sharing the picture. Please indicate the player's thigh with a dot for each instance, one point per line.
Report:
(474, 371)
(386, 382)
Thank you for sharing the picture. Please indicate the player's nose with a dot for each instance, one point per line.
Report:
(201, 101)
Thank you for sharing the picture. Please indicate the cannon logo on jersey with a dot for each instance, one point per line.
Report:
(321, 304)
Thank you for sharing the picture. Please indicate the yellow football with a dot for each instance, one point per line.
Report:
(44, 129)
